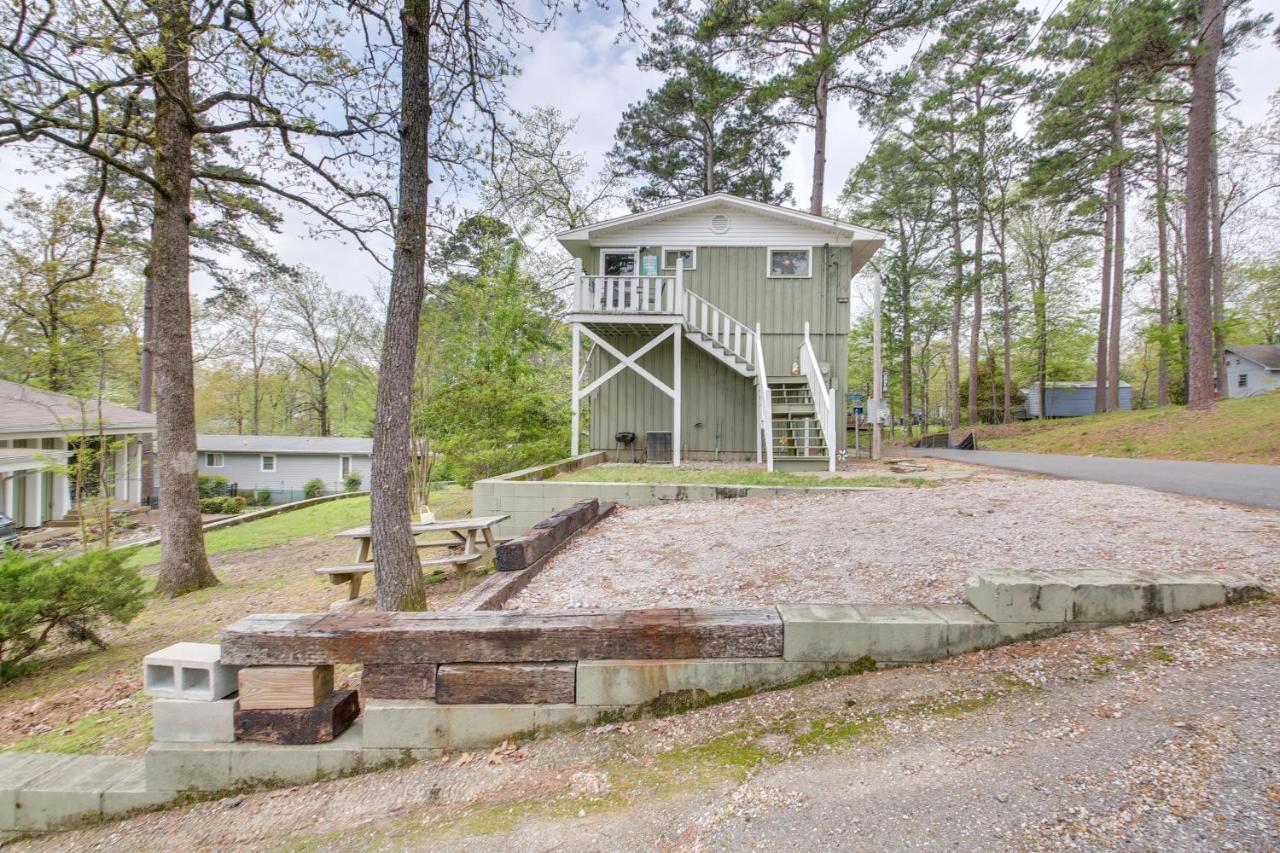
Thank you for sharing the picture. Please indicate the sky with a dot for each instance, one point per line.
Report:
(587, 72)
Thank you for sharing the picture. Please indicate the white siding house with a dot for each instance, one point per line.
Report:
(1252, 370)
(283, 464)
(39, 429)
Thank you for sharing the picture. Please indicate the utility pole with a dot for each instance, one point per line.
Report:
(877, 380)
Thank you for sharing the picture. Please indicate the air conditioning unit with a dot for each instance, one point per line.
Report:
(657, 447)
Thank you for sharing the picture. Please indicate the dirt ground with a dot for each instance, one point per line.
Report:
(895, 545)
(1158, 736)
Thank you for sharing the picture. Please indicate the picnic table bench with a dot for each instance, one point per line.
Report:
(463, 533)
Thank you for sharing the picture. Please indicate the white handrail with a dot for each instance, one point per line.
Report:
(764, 405)
(823, 397)
(705, 317)
(627, 294)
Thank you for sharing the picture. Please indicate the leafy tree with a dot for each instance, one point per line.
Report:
(703, 130)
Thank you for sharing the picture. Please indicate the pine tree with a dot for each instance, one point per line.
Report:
(703, 130)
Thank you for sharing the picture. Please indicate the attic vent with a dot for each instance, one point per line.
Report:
(719, 224)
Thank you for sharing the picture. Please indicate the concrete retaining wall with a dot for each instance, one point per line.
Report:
(531, 495)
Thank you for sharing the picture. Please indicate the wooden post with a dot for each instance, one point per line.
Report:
(579, 286)
(832, 421)
(678, 307)
(574, 439)
(877, 381)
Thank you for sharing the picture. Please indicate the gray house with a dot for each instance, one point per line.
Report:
(283, 464)
(1070, 399)
(714, 328)
(1252, 370)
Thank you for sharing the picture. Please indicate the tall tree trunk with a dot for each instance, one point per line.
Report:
(821, 104)
(1006, 338)
(322, 402)
(146, 375)
(184, 566)
(1162, 242)
(957, 314)
(1216, 269)
(975, 329)
(397, 572)
(1104, 305)
(906, 354)
(1200, 123)
(1117, 298)
(1042, 332)
(708, 158)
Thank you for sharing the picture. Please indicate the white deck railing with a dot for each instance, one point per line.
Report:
(824, 398)
(629, 294)
(730, 333)
(764, 406)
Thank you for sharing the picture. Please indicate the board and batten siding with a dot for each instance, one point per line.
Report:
(716, 400)
(293, 470)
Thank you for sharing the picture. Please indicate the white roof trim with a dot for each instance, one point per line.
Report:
(855, 232)
(1252, 361)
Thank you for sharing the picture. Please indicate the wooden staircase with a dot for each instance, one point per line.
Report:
(798, 441)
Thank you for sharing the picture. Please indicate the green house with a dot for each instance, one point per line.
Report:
(714, 328)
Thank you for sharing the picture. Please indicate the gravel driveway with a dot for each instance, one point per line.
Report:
(895, 545)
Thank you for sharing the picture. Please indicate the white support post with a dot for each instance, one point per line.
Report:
(877, 380)
(679, 307)
(135, 470)
(120, 471)
(33, 511)
(6, 502)
(676, 339)
(577, 405)
(61, 494)
(579, 286)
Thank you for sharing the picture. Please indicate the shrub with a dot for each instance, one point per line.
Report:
(40, 597)
(209, 484)
(262, 497)
(352, 481)
(313, 489)
(222, 505)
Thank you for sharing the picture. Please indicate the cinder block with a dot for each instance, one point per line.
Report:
(192, 721)
(188, 671)
(635, 682)
(16, 770)
(1021, 597)
(275, 688)
(69, 793)
(410, 724)
(844, 633)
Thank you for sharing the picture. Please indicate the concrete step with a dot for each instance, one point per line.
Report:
(43, 791)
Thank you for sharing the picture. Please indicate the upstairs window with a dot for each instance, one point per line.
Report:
(670, 256)
(213, 460)
(619, 261)
(790, 263)
(268, 462)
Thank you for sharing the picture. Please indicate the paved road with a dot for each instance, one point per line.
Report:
(1252, 485)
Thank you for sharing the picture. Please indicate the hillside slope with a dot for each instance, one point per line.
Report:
(1243, 430)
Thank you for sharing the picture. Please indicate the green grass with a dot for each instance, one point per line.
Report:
(727, 476)
(1242, 430)
(321, 519)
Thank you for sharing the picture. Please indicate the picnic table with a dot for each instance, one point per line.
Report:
(463, 532)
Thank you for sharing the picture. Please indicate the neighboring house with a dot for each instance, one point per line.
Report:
(1070, 399)
(715, 328)
(1252, 370)
(39, 429)
(283, 464)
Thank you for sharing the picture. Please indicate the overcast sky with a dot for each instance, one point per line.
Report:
(582, 69)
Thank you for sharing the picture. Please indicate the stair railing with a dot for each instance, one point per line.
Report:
(824, 398)
(764, 406)
(706, 318)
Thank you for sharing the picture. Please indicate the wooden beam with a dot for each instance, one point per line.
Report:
(632, 361)
(264, 688)
(498, 683)
(504, 636)
(401, 681)
(320, 724)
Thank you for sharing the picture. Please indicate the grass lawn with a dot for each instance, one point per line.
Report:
(1243, 430)
(729, 476)
(84, 700)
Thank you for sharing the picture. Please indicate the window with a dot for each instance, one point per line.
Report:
(619, 261)
(1242, 381)
(789, 263)
(267, 462)
(213, 460)
(344, 466)
(669, 257)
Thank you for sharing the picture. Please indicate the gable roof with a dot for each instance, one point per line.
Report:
(842, 232)
(1267, 355)
(285, 444)
(27, 409)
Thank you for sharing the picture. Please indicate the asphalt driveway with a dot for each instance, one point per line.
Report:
(1251, 485)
